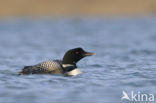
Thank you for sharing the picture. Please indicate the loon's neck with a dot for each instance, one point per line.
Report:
(68, 67)
(71, 69)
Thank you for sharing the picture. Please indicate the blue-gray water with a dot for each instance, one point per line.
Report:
(125, 59)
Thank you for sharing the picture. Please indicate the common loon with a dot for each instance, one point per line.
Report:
(66, 66)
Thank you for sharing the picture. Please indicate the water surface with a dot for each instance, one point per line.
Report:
(125, 59)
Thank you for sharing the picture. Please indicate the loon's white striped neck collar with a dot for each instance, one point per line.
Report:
(67, 65)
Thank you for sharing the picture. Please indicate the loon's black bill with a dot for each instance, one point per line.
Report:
(88, 54)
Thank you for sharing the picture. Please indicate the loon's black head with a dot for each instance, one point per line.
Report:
(74, 55)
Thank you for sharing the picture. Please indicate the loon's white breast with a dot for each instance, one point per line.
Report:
(74, 72)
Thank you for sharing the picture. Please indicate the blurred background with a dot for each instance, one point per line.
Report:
(38, 8)
(121, 32)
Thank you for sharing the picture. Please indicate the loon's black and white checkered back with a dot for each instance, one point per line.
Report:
(51, 65)
(54, 67)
